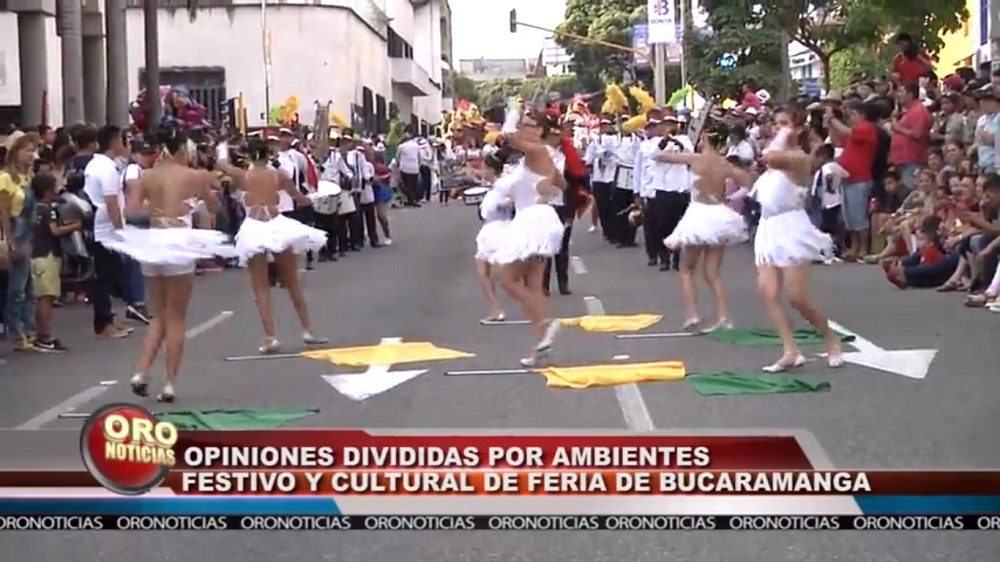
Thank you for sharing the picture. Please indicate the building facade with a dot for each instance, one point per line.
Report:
(969, 45)
(371, 58)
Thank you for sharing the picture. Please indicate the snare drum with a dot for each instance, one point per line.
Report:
(623, 177)
(326, 199)
(474, 195)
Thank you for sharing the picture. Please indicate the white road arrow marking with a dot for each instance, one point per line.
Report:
(376, 380)
(910, 363)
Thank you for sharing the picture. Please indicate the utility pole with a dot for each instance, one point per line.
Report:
(785, 93)
(150, 21)
(660, 73)
(994, 35)
(71, 32)
(116, 29)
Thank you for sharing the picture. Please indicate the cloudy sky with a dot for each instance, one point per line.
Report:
(481, 28)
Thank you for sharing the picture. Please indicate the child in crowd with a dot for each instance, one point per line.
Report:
(46, 257)
(826, 197)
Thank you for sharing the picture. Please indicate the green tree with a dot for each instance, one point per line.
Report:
(828, 27)
(497, 92)
(603, 20)
(465, 88)
(740, 45)
(859, 63)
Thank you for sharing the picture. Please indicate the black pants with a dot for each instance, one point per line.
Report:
(366, 214)
(410, 187)
(333, 226)
(562, 258)
(425, 184)
(617, 228)
(108, 276)
(602, 198)
(354, 230)
(666, 210)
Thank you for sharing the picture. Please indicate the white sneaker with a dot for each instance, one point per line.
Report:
(550, 335)
(592, 229)
(387, 242)
(269, 345)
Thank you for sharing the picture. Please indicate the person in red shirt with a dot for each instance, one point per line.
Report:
(909, 64)
(750, 97)
(860, 142)
(911, 131)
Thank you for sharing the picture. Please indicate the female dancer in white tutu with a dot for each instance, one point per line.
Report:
(707, 227)
(787, 243)
(266, 231)
(496, 214)
(167, 252)
(535, 234)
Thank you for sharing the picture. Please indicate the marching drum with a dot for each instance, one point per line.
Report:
(623, 177)
(73, 208)
(474, 195)
(326, 199)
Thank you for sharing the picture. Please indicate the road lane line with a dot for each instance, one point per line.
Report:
(68, 405)
(208, 324)
(629, 397)
(73, 402)
(579, 267)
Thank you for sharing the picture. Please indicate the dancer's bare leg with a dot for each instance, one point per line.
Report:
(689, 264)
(178, 297)
(288, 271)
(712, 269)
(486, 283)
(257, 267)
(797, 287)
(769, 285)
(157, 297)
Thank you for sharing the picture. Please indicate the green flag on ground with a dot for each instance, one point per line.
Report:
(242, 418)
(728, 383)
(769, 338)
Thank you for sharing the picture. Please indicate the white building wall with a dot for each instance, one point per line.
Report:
(427, 54)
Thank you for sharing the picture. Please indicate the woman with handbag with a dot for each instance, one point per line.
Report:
(17, 205)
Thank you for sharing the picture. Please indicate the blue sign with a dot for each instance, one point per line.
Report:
(640, 42)
(810, 87)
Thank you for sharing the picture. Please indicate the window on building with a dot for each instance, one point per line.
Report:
(414, 124)
(398, 47)
(807, 71)
(368, 108)
(381, 119)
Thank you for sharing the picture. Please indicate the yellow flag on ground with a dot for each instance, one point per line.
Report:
(608, 323)
(610, 375)
(385, 354)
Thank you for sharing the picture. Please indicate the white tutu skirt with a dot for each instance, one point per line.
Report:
(789, 239)
(535, 232)
(490, 238)
(276, 236)
(170, 246)
(708, 225)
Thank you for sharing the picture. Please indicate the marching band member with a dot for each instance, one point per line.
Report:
(496, 215)
(167, 252)
(644, 182)
(265, 231)
(328, 211)
(786, 242)
(362, 172)
(535, 234)
(568, 161)
(707, 227)
(602, 157)
(672, 190)
(623, 195)
(294, 164)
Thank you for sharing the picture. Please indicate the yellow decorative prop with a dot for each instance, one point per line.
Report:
(385, 354)
(634, 124)
(615, 101)
(288, 111)
(642, 97)
(611, 375)
(337, 120)
(608, 323)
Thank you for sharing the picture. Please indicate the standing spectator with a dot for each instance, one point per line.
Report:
(134, 285)
(103, 187)
(909, 64)
(986, 131)
(407, 161)
(860, 141)
(16, 211)
(46, 254)
(426, 170)
(383, 192)
(910, 133)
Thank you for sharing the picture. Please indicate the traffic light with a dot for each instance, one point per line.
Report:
(513, 21)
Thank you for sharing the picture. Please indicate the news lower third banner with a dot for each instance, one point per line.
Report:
(143, 474)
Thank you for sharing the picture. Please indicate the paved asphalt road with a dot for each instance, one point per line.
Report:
(422, 289)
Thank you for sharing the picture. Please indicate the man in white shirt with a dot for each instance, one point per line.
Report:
(103, 186)
(134, 285)
(602, 157)
(407, 161)
(293, 164)
(427, 157)
(672, 184)
(360, 186)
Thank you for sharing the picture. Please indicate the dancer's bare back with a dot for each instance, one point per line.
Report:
(168, 190)
(261, 187)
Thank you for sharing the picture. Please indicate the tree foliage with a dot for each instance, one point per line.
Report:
(602, 20)
(746, 42)
(859, 63)
(497, 92)
(464, 88)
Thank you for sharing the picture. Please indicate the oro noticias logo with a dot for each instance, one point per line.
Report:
(126, 449)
